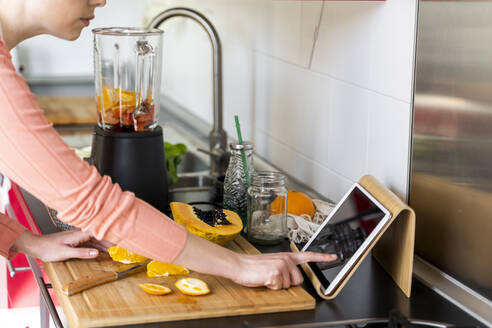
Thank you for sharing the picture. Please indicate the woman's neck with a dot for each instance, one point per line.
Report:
(17, 23)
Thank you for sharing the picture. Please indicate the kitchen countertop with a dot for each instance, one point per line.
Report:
(370, 293)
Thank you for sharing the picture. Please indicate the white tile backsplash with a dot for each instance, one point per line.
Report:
(187, 69)
(370, 44)
(290, 30)
(293, 106)
(348, 130)
(343, 50)
(326, 122)
(322, 179)
(389, 141)
(393, 49)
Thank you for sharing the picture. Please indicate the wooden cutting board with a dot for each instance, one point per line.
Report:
(69, 110)
(123, 302)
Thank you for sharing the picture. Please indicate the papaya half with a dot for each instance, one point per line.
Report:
(218, 226)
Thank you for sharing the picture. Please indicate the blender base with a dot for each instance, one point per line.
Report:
(134, 160)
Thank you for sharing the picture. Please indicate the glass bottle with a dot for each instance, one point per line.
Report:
(235, 188)
(267, 208)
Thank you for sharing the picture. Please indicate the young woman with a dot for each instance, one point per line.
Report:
(34, 156)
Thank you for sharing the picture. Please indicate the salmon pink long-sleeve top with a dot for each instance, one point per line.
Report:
(34, 156)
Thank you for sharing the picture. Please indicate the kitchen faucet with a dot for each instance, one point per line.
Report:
(218, 137)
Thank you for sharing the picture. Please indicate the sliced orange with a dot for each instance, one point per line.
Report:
(154, 289)
(161, 269)
(126, 98)
(192, 286)
(122, 255)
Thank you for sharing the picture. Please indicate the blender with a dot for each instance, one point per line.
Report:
(128, 144)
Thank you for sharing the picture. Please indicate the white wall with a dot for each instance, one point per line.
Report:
(46, 56)
(326, 111)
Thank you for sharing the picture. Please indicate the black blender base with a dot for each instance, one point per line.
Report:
(134, 160)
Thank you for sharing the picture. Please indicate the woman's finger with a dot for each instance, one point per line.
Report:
(101, 245)
(303, 257)
(296, 277)
(81, 253)
(76, 237)
(276, 279)
(286, 275)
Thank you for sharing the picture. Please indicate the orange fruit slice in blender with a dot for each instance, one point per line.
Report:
(192, 286)
(154, 289)
(119, 254)
(109, 98)
(161, 269)
(126, 98)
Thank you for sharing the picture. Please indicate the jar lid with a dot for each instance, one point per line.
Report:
(247, 145)
(267, 179)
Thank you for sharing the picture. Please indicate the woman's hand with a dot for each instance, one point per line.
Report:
(59, 246)
(276, 270)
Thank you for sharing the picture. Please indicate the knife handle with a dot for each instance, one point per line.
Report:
(82, 284)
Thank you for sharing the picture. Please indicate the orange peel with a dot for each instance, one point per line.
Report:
(154, 289)
(119, 254)
(161, 269)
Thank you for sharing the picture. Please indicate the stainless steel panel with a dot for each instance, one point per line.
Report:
(451, 178)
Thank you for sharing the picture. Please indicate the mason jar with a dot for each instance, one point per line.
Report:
(267, 208)
(235, 184)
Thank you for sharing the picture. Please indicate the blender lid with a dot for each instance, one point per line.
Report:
(127, 31)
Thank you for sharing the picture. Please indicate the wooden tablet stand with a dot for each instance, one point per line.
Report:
(392, 248)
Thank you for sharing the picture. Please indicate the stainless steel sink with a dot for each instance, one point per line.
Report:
(191, 162)
(195, 188)
(194, 183)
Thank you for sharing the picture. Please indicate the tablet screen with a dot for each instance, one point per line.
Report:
(348, 226)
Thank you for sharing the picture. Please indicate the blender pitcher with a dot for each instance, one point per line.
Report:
(128, 144)
(127, 67)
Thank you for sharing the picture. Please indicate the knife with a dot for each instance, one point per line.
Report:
(87, 282)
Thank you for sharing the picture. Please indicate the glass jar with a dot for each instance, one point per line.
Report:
(235, 186)
(267, 208)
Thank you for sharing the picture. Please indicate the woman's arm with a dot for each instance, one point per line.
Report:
(10, 231)
(277, 270)
(34, 156)
(58, 246)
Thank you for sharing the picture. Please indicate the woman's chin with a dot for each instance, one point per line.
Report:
(72, 35)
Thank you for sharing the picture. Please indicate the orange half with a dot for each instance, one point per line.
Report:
(154, 289)
(192, 286)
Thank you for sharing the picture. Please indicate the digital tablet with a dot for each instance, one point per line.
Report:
(347, 232)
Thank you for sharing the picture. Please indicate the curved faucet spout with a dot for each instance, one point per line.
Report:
(218, 137)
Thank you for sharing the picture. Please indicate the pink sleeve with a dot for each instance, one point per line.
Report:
(34, 156)
(10, 230)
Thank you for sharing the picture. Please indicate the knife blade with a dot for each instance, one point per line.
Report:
(87, 282)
